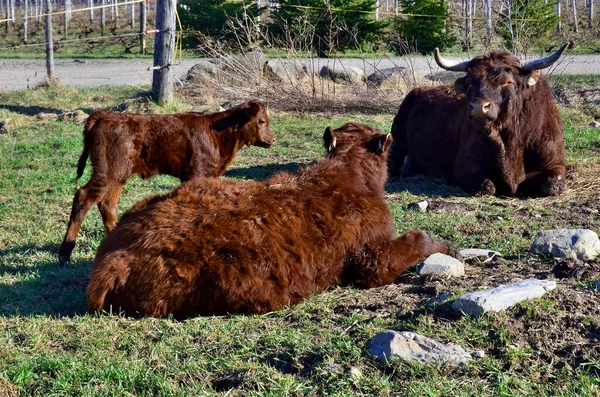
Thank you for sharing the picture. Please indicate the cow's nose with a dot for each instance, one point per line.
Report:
(480, 108)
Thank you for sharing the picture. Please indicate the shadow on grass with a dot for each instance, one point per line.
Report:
(424, 186)
(34, 110)
(262, 172)
(43, 288)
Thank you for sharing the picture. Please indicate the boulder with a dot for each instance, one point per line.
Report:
(420, 206)
(502, 297)
(441, 265)
(343, 74)
(567, 243)
(202, 71)
(285, 70)
(410, 346)
(380, 76)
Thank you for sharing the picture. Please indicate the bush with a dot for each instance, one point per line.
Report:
(527, 23)
(333, 25)
(422, 33)
(209, 17)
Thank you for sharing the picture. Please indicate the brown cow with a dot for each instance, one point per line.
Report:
(222, 246)
(185, 146)
(496, 131)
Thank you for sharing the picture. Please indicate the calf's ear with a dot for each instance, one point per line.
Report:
(460, 85)
(381, 144)
(329, 140)
(253, 109)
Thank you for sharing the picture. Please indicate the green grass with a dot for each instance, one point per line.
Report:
(52, 346)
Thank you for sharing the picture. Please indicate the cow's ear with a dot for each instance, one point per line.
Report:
(533, 77)
(253, 109)
(460, 85)
(329, 140)
(380, 144)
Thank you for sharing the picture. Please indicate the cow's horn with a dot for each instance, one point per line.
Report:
(545, 62)
(455, 66)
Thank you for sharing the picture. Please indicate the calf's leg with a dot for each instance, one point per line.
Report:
(381, 263)
(90, 194)
(108, 205)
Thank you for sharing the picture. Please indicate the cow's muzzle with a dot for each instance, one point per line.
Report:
(483, 112)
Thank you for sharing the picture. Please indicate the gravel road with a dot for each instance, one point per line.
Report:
(23, 74)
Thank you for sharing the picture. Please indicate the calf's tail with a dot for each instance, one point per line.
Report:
(89, 125)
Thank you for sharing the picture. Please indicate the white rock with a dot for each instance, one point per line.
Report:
(355, 372)
(478, 354)
(343, 74)
(479, 253)
(442, 265)
(502, 297)
(409, 346)
(420, 206)
(564, 243)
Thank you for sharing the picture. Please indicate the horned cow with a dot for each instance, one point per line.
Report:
(222, 246)
(496, 131)
(185, 146)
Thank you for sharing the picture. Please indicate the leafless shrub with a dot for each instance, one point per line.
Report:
(292, 79)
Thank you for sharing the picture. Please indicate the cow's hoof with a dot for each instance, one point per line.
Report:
(487, 188)
(553, 187)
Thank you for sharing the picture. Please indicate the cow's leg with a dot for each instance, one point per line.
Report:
(474, 178)
(381, 263)
(108, 205)
(547, 183)
(84, 199)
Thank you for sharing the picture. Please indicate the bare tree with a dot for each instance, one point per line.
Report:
(591, 13)
(91, 7)
(575, 24)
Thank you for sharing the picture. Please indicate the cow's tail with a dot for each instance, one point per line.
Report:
(107, 276)
(89, 125)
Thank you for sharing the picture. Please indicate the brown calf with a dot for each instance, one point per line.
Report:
(222, 246)
(185, 146)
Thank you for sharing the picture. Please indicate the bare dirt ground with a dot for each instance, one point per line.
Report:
(23, 74)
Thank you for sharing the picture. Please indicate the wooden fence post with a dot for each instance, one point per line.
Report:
(143, 18)
(164, 45)
(49, 44)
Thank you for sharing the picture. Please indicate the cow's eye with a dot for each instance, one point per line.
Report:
(261, 122)
(507, 83)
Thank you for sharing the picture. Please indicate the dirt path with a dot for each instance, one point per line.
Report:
(23, 74)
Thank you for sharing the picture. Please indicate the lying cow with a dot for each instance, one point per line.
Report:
(496, 131)
(222, 246)
(185, 146)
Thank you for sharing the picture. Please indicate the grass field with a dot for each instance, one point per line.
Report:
(52, 346)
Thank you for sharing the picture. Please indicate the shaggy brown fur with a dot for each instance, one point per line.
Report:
(494, 132)
(221, 246)
(186, 146)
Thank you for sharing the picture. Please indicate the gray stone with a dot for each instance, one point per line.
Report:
(202, 72)
(502, 297)
(564, 243)
(420, 206)
(595, 124)
(343, 74)
(4, 126)
(286, 71)
(598, 285)
(480, 254)
(478, 354)
(377, 78)
(409, 346)
(441, 265)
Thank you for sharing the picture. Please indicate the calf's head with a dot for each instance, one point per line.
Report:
(361, 146)
(251, 122)
(495, 84)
